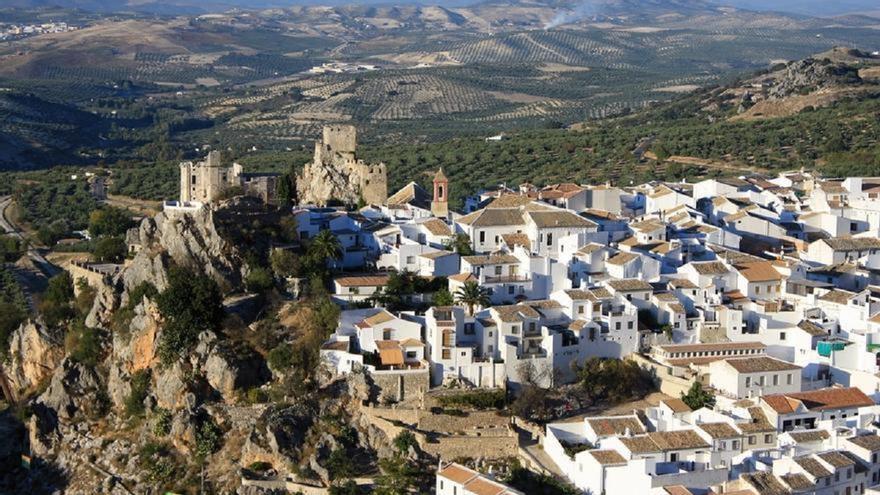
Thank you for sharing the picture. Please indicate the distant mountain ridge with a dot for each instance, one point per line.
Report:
(620, 7)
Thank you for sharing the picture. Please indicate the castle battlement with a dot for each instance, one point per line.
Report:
(335, 172)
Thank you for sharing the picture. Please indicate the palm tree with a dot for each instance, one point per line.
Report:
(471, 294)
(325, 246)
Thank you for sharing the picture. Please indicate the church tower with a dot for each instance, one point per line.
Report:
(440, 204)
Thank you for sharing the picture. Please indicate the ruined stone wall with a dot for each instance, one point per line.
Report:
(405, 386)
(449, 448)
(335, 173)
(340, 138)
(374, 183)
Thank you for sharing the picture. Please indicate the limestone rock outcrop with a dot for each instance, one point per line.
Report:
(35, 351)
(185, 238)
(335, 172)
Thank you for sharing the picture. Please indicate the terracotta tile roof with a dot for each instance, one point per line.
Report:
(640, 445)
(812, 329)
(433, 255)
(765, 483)
(615, 426)
(868, 442)
(852, 243)
(818, 400)
(621, 258)
(482, 486)
(759, 271)
(649, 225)
(559, 219)
(463, 277)
(608, 457)
(813, 467)
(543, 304)
(493, 218)
(629, 284)
(758, 423)
(710, 268)
(578, 294)
(411, 193)
(677, 490)
(601, 293)
(390, 353)
(362, 281)
(836, 459)
(515, 312)
(760, 364)
(491, 259)
(411, 343)
(378, 318)
(590, 248)
(719, 430)
(677, 405)
(809, 436)
(517, 239)
(838, 296)
(437, 227)
(682, 283)
(577, 324)
(510, 201)
(660, 192)
(600, 214)
(797, 481)
(677, 440)
(458, 473)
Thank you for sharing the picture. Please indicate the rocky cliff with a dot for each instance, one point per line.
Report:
(35, 351)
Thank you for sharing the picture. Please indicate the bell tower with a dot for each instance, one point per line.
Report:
(440, 204)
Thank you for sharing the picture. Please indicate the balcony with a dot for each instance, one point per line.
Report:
(506, 279)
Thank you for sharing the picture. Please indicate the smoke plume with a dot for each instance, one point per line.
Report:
(580, 11)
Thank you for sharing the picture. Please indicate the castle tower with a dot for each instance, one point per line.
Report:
(336, 173)
(440, 204)
(203, 181)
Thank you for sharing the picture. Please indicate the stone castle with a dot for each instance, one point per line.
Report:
(207, 180)
(336, 174)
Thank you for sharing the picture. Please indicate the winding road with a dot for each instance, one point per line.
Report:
(9, 228)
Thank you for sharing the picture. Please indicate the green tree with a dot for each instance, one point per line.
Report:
(109, 250)
(339, 465)
(11, 316)
(461, 244)
(399, 476)
(209, 438)
(284, 191)
(285, 263)
(191, 304)
(10, 248)
(259, 280)
(346, 487)
(443, 298)
(140, 387)
(471, 295)
(109, 221)
(55, 304)
(84, 344)
(697, 397)
(404, 441)
(613, 380)
(325, 247)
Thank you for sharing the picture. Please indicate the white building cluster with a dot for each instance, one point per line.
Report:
(763, 290)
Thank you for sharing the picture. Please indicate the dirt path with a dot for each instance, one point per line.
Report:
(141, 207)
